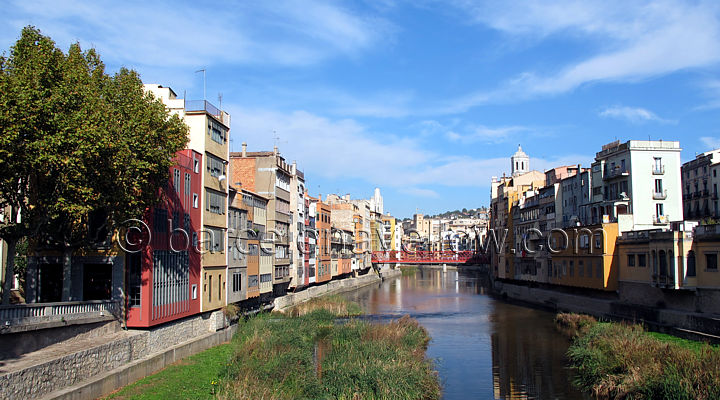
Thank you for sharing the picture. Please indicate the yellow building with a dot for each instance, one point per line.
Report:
(671, 259)
(586, 257)
(388, 232)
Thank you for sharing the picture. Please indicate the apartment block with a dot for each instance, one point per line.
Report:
(267, 174)
(637, 183)
(209, 136)
(700, 186)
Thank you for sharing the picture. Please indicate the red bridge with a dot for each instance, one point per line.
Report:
(428, 257)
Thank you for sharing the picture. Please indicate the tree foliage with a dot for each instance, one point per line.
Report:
(74, 139)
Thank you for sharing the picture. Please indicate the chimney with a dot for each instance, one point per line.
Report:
(294, 167)
(244, 149)
(275, 150)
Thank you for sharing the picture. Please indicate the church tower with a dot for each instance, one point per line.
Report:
(519, 162)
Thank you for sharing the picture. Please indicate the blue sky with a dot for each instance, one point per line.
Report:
(424, 99)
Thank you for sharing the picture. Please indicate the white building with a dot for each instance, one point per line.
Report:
(637, 184)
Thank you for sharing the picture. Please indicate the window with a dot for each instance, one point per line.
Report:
(581, 269)
(658, 186)
(217, 132)
(658, 164)
(196, 165)
(187, 184)
(195, 200)
(599, 270)
(691, 263)
(220, 287)
(659, 209)
(642, 262)
(252, 281)
(264, 278)
(711, 261)
(176, 180)
(160, 217)
(215, 166)
(572, 268)
(214, 239)
(210, 288)
(215, 201)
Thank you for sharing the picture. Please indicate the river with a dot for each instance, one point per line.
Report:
(483, 348)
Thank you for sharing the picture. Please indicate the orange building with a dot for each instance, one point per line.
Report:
(323, 224)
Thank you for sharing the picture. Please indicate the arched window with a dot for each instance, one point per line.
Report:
(654, 262)
(671, 258)
(691, 263)
(663, 263)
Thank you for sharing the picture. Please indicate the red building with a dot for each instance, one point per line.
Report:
(163, 271)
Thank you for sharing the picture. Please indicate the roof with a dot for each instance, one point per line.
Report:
(251, 153)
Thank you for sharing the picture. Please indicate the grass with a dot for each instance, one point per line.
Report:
(191, 378)
(335, 304)
(619, 360)
(304, 354)
(313, 357)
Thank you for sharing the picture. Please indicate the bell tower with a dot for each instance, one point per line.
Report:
(519, 162)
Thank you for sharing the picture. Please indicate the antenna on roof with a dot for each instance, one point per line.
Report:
(204, 82)
(220, 100)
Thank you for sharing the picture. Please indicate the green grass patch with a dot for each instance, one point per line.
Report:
(314, 357)
(305, 354)
(619, 360)
(335, 304)
(196, 377)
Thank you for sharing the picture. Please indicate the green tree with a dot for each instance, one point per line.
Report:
(88, 142)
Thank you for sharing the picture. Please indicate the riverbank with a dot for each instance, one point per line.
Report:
(620, 360)
(611, 306)
(333, 287)
(305, 353)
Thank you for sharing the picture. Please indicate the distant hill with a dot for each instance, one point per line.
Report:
(464, 213)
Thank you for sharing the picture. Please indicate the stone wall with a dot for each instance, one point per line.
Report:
(339, 286)
(666, 310)
(71, 369)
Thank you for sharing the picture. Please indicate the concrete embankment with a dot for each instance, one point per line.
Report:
(333, 287)
(691, 325)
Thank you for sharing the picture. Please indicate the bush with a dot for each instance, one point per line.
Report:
(616, 360)
(573, 325)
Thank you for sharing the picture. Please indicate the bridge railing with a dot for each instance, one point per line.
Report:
(421, 256)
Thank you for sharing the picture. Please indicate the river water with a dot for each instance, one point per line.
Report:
(483, 348)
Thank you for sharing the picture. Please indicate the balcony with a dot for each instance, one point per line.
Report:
(658, 169)
(660, 219)
(659, 195)
(616, 173)
(23, 317)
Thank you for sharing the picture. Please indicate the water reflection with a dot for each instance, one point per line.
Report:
(484, 348)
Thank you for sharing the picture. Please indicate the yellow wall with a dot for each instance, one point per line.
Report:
(213, 285)
(569, 262)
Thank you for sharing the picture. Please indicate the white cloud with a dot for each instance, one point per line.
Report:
(345, 149)
(633, 40)
(420, 192)
(482, 133)
(162, 34)
(710, 143)
(634, 114)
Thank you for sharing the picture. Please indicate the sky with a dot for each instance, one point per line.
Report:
(426, 100)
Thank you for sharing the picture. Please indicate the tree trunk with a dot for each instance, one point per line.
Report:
(9, 270)
(67, 273)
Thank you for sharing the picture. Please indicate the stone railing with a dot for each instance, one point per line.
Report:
(22, 317)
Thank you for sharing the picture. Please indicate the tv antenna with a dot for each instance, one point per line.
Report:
(204, 82)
